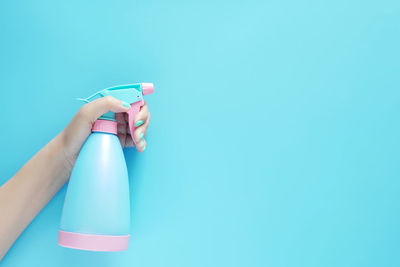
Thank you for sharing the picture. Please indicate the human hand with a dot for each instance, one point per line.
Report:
(80, 127)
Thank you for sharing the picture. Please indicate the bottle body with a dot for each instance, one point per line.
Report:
(96, 213)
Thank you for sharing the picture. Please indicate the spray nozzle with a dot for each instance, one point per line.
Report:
(129, 93)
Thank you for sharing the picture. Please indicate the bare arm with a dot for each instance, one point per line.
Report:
(32, 187)
(24, 195)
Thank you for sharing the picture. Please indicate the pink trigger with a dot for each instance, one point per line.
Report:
(134, 109)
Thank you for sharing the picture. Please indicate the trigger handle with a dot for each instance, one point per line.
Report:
(132, 112)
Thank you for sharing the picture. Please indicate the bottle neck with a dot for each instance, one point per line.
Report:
(105, 126)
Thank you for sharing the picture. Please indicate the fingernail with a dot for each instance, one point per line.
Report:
(143, 145)
(125, 104)
(141, 136)
(138, 123)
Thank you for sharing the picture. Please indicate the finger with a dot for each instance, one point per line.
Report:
(121, 128)
(129, 142)
(122, 139)
(120, 118)
(140, 132)
(121, 123)
(99, 107)
(142, 115)
(141, 146)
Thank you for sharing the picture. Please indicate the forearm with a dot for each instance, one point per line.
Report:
(25, 194)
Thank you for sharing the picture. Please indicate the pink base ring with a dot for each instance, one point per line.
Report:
(105, 126)
(93, 242)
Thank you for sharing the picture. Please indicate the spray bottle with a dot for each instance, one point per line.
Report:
(96, 213)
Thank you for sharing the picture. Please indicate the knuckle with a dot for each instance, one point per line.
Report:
(109, 100)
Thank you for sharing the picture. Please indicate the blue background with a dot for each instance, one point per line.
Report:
(275, 131)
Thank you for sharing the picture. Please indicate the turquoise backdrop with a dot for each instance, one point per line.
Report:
(275, 132)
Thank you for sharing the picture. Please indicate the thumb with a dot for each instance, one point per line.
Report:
(76, 132)
(95, 109)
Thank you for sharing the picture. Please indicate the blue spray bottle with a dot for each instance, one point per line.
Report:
(96, 213)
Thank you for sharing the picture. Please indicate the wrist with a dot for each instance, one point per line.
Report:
(63, 150)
